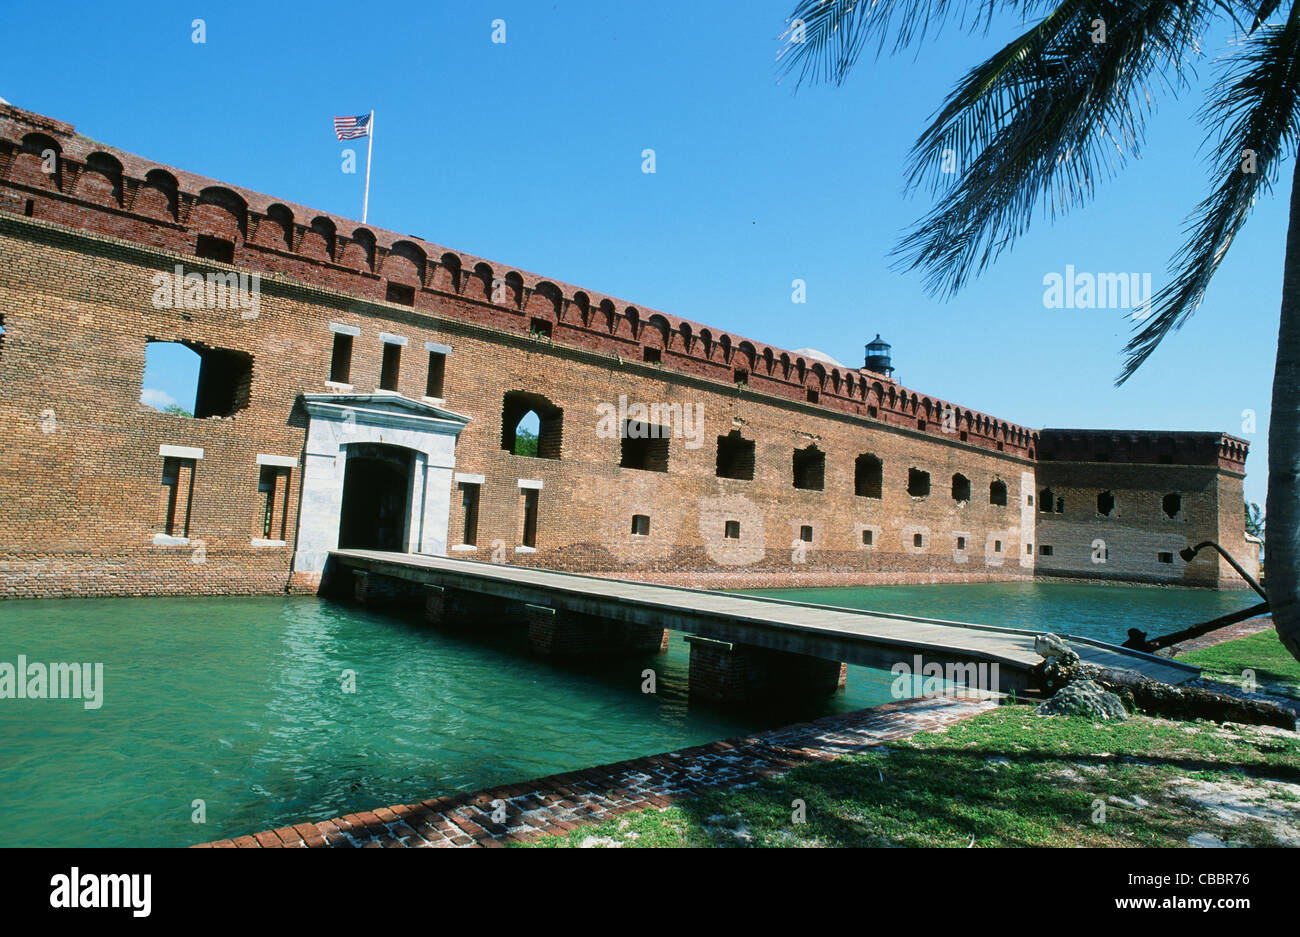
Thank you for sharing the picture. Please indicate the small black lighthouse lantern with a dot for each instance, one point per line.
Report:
(878, 359)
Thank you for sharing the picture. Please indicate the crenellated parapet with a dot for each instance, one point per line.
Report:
(1149, 447)
(50, 173)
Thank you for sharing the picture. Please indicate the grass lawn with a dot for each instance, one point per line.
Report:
(1011, 778)
(1275, 670)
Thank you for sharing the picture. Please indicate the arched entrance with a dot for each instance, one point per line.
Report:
(376, 488)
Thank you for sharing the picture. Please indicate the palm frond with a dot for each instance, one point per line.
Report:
(1256, 107)
(824, 38)
(1266, 9)
(1038, 124)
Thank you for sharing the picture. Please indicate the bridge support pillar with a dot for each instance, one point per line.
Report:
(731, 674)
(560, 633)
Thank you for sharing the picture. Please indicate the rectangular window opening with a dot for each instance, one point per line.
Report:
(731, 530)
(530, 517)
(222, 384)
(177, 493)
(402, 295)
(539, 328)
(644, 446)
(868, 477)
(735, 457)
(867, 537)
(437, 370)
(651, 355)
(215, 248)
(341, 359)
(1165, 557)
(273, 486)
(809, 469)
(469, 499)
(806, 533)
(391, 366)
(641, 525)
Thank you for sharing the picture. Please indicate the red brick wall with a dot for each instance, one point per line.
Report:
(80, 473)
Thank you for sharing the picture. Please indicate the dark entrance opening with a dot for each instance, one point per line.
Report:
(376, 482)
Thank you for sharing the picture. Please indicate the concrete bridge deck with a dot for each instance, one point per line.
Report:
(865, 638)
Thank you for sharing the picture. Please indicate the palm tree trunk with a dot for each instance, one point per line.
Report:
(1282, 551)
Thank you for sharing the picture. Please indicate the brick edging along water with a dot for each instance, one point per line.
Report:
(560, 802)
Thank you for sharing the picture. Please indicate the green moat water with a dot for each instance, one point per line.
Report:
(239, 702)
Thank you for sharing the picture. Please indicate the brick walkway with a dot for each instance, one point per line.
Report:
(562, 802)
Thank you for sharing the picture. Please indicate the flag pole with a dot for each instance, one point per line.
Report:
(370, 145)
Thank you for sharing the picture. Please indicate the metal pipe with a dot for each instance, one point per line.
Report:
(1189, 554)
(1138, 641)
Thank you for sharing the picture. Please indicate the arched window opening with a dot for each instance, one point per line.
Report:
(531, 425)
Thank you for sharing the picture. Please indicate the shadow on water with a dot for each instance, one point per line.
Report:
(626, 672)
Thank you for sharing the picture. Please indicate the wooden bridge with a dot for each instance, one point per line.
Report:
(742, 647)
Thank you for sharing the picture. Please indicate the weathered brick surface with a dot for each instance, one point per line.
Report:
(564, 802)
(80, 477)
(1203, 471)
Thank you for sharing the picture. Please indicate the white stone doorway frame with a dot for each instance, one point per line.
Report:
(336, 421)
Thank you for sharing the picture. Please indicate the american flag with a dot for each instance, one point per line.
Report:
(349, 128)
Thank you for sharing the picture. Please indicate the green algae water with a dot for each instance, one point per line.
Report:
(240, 703)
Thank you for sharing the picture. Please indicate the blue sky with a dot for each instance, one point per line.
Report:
(529, 153)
